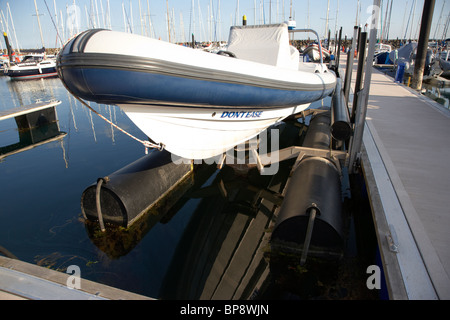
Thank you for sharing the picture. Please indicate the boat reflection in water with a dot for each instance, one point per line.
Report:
(221, 253)
(118, 241)
(32, 138)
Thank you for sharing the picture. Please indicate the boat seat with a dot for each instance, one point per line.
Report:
(268, 44)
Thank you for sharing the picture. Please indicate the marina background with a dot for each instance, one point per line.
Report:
(208, 20)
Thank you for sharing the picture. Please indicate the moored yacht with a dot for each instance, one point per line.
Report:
(32, 66)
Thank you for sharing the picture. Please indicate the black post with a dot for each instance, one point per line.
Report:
(335, 42)
(348, 73)
(329, 38)
(344, 44)
(359, 37)
(422, 46)
(361, 58)
(8, 47)
(338, 53)
(349, 69)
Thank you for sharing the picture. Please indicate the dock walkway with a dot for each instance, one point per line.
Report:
(23, 110)
(405, 160)
(21, 280)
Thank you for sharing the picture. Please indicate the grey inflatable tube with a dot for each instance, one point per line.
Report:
(127, 193)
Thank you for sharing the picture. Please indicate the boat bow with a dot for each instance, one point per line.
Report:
(182, 91)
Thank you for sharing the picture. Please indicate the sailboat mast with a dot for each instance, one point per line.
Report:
(63, 32)
(131, 17)
(326, 23)
(337, 16)
(270, 12)
(96, 12)
(103, 16)
(291, 22)
(168, 20)
(39, 23)
(219, 21)
(236, 16)
(150, 27)
(389, 22)
(140, 18)
(412, 21)
(109, 15)
(13, 27)
(254, 12)
(308, 16)
(444, 32)
(124, 19)
(290, 11)
(56, 24)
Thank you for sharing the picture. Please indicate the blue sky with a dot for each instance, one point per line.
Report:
(28, 36)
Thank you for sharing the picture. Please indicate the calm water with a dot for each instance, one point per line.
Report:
(181, 254)
(207, 247)
(40, 192)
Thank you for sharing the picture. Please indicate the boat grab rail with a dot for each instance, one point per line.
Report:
(318, 41)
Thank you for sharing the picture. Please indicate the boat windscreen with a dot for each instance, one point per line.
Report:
(32, 59)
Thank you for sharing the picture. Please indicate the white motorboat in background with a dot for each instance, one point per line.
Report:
(32, 66)
(313, 53)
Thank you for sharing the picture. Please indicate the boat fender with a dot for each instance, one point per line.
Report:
(340, 118)
(314, 184)
(226, 53)
(125, 195)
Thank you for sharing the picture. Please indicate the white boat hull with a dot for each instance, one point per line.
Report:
(205, 132)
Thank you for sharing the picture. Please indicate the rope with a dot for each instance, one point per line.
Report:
(98, 205)
(147, 144)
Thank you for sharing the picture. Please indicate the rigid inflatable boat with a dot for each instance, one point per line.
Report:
(197, 104)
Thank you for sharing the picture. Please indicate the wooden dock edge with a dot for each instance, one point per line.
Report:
(25, 281)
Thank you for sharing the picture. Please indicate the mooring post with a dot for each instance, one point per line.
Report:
(422, 46)
(338, 52)
(360, 115)
(359, 72)
(8, 47)
(329, 39)
(349, 70)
